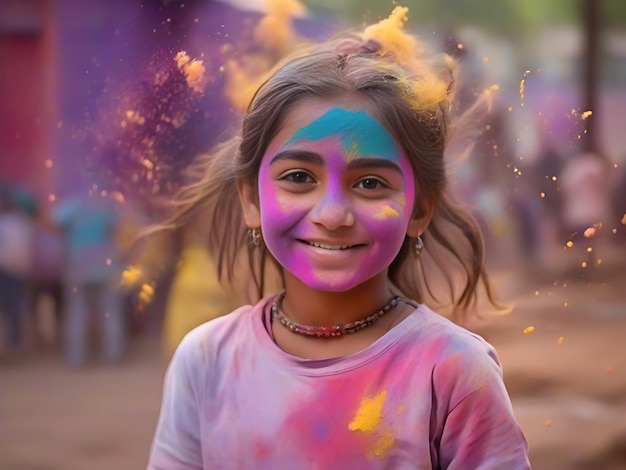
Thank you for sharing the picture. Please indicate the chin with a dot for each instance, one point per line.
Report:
(325, 285)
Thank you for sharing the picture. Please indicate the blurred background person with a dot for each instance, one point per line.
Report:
(16, 244)
(91, 275)
(586, 189)
(618, 204)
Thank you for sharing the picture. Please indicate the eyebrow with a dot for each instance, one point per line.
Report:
(299, 155)
(316, 159)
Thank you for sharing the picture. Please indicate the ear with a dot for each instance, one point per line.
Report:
(249, 204)
(419, 221)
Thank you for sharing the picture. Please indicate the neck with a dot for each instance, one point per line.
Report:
(321, 308)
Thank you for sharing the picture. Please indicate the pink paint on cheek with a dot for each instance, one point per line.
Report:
(279, 215)
(269, 200)
(386, 237)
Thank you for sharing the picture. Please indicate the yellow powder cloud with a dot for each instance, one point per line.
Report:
(428, 90)
(388, 32)
(194, 71)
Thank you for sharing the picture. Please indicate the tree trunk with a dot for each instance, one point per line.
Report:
(592, 12)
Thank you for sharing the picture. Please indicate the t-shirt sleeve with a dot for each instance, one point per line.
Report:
(176, 444)
(479, 430)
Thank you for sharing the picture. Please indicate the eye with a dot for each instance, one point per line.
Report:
(371, 183)
(297, 176)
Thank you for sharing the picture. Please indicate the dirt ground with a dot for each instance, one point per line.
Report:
(562, 349)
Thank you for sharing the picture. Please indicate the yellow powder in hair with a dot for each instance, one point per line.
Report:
(427, 90)
(430, 91)
(388, 32)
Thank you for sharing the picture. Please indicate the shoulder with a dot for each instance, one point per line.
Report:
(215, 330)
(456, 355)
(451, 339)
(219, 336)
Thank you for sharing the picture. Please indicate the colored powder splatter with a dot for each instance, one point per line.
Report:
(275, 35)
(277, 38)
(274, 31)
(380, 445)
(146, 293)
(388, 32)
(193, 70)
(367, 417)
(385, 213)
(131, 275)
(429, 90)
(361, 135)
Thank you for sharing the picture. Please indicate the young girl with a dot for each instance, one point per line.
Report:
(338, 175)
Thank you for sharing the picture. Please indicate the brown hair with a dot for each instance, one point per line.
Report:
(413, 104)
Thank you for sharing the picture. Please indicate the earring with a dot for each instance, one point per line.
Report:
(418, 247)
(254, 234)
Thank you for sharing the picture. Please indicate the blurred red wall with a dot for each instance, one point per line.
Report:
(27, 92)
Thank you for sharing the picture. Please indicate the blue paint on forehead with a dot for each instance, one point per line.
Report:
(361, 135)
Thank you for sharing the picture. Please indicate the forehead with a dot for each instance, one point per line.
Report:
(351, 121)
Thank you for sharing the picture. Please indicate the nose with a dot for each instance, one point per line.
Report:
(333, 209)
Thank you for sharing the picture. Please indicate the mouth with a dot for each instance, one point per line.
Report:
(324, 246)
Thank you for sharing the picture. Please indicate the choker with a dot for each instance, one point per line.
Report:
(329, 331)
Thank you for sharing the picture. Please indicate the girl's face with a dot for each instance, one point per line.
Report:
(335, 196)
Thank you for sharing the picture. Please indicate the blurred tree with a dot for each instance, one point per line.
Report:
(592, 17)
(513, 18)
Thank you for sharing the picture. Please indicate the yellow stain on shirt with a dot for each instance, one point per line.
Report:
(385, 213)
(380, 445)
(368, 415)
(367, 419)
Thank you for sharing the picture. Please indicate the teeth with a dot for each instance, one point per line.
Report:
(329, 247)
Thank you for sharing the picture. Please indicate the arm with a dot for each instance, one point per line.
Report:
(480, 430)
(176, 444)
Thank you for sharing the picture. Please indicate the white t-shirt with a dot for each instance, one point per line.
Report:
(16, 243)
(586, 192)
(428, 394)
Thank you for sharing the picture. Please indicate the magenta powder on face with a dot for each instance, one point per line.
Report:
(375, 227)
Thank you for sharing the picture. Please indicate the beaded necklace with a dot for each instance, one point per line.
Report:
(328, 331)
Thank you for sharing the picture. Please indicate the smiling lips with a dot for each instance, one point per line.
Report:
(329, 247)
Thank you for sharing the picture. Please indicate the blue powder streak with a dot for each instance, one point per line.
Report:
(360, 134)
